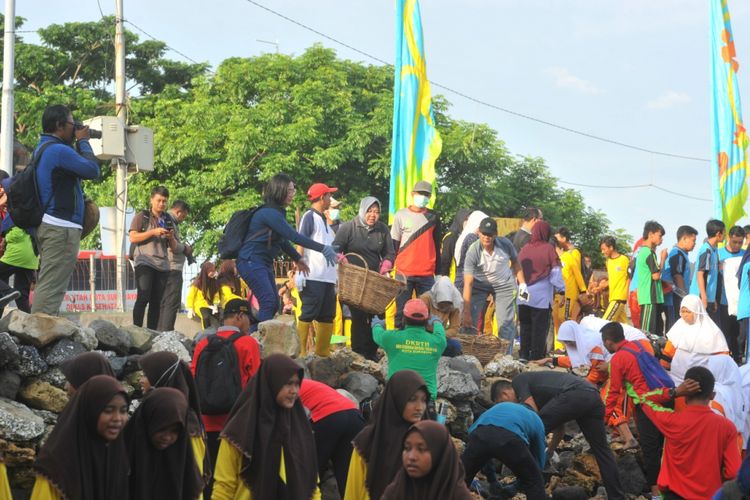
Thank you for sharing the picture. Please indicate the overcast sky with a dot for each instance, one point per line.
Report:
(634, 71)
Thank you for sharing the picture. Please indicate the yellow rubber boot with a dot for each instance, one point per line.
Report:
(303, 330)
(323, 339)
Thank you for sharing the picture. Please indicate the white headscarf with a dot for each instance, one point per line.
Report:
(694, 343)
(445, 291)
(728, 389)
(585, 342)
(472, 224)
(632, 334)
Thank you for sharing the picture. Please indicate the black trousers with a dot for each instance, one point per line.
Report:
(586, 408)
(170, 301)
(730, 326)
(318, 302)
(534, 326)
(362, 342)
(652, 443)
(22, 282)
(333, 440)
(212, 448)
(488, 442)
(150, 284)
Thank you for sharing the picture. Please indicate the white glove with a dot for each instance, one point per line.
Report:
(190, 314)
(299, 281)
(523, 290)
(214, 309)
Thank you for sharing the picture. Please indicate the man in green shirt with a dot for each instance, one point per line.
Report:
(648, 274)
(413, 348)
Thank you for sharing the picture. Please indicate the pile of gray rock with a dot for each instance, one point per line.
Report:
(32, 347)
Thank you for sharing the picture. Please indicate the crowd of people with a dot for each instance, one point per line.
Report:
(650, 345)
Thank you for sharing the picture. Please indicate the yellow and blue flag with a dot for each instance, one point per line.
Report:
(416, 143)
(730, 140)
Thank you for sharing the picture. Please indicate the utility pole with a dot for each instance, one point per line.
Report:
(121, 167)
(7, 126)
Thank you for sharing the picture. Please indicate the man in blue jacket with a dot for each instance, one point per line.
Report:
(58, 173)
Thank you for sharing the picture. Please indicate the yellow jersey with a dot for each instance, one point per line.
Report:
(617, 275)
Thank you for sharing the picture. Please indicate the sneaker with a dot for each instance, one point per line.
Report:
(9, 297)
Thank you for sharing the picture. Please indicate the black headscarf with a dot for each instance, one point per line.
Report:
(84, 366)
(260, 428)
(446, 478)
(76, 460)
(161, 474)
(380, 443)
(165, 369)
(458, 222)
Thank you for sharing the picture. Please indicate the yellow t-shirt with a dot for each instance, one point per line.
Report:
(617, 274)
(43, 490)
(227, 482)
(571, 273)
(355, 481)
(4, 483)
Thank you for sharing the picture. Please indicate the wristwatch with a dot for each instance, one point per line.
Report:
(673, 393)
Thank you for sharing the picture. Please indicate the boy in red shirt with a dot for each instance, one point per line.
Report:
(701, 450)
(236, 320)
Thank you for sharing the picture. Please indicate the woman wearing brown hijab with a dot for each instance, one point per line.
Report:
(84, 457)
(81, 368)
(431, 466)
(162, 466)
(164, 369)
(377, 449)
(267, 449)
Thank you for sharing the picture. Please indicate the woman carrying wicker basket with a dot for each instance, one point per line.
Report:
(371, 240)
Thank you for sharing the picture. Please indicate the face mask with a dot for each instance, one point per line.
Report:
(333, 213)
(421, 200)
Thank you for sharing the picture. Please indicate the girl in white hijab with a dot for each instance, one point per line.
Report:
(729, 399)
(595, 323)
(471, 227)
(694, 338)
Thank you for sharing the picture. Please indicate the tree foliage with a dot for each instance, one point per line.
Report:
(219, 137)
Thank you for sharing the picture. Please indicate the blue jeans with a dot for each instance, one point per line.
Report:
(419, 284)
(261, 280)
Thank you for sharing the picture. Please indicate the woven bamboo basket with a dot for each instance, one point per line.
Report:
(482, 347)
(366, 290)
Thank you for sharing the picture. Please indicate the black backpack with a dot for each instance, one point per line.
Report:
(24, 203)
(217, 375)
(235, 233)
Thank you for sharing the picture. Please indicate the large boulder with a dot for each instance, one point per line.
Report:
(8, 350)
(141, 339)
(30, 362)
(15, 455)
(171, 342)
(55, 377)
(278, 336)
(459, 427)
(87, 337)
(110, 337)
(10, 383)
(361, 385)
(504, 366)
(37, 329)
(62, 351)
(631, 474)
(18, 423)
(454, 384)
(43, 396)
(467, 364)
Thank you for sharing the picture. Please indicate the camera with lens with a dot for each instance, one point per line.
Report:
(94, 134)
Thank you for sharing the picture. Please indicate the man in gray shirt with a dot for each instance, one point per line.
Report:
(172, 298)
(491, 267)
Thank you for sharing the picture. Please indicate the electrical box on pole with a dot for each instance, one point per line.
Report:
(112, 143)
(139, 148)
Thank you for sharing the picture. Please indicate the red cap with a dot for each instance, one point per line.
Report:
(319, 189)
(416, 309)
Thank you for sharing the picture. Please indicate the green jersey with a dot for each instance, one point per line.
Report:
(649, 289)
(413, 348)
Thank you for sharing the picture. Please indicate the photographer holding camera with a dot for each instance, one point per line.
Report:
(152, 236)
(59, 171)
(170, 301)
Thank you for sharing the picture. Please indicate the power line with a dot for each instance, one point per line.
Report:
(482, 102)
(635, 186)
(165, 44)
